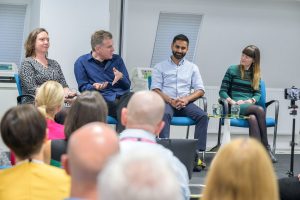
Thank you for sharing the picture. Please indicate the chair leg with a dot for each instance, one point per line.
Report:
(203, 156)
(187, 132)
(274, 139)
(219, 132)
(216, 148)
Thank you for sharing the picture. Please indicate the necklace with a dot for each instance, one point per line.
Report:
(44, 63)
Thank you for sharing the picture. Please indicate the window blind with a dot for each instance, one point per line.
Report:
(12, 19)
(169, 25)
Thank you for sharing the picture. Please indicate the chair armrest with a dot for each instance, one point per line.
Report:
(21, 97)
(204, 101)
(276, 104)
(225, 105)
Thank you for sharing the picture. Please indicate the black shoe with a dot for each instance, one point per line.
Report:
(271, 154)
(198, 164)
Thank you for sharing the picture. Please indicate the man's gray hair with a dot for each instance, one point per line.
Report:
(138, 175)
(98, 37)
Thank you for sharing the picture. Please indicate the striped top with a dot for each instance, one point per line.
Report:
(235, 87)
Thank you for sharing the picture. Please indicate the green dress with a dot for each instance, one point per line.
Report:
(236, 88)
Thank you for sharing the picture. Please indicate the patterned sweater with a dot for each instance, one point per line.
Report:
(235, 87)
(33, 74)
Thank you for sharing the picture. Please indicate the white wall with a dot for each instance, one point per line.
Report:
(70, 24)
(34, 19)
(227, 27)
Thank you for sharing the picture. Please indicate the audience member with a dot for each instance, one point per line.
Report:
(89, 149)
(241, 170)
(141, 175)
(23, 130)
(37, 68)
(49, 100)
(88, 107)
(103, 71)
(173, 80)
(241, 86)
(143, 121)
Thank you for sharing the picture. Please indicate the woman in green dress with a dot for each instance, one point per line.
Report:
(241, 85)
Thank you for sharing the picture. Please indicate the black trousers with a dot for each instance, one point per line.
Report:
(115, 109)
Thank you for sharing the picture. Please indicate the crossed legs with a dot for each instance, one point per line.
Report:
(257, 123)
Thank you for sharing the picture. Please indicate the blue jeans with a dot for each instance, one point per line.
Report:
(195, 113)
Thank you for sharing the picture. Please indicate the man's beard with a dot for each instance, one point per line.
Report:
(178, 56)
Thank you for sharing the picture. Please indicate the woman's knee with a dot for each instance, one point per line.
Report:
(260, 112)
(252, 118)
(260, 109)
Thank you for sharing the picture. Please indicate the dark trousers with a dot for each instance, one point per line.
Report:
(115, 109)
(195, 113)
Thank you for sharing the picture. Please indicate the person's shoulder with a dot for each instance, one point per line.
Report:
(6, 172)
(169, 155)
(162, 64)
(55, 172)
(56, 178)
(233, 70)
(233, 67)
(165, 151)
(116, 57)
(53, 62)
(84, 57)
(186, 61)
(27, 60)
(189, 63)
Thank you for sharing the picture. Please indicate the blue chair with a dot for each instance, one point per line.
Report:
(183, 121)
(270, 121)
(111, 120)
(19, 87)
(187, 121)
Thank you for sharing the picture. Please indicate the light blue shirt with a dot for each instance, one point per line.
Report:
(151, 146)
(176, 80)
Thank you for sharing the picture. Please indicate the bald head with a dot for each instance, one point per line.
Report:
(88, 150)
(145, 108)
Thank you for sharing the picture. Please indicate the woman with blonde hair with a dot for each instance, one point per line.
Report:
(89, 107)
(49, 100)
(241, 86)
(241, 170)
